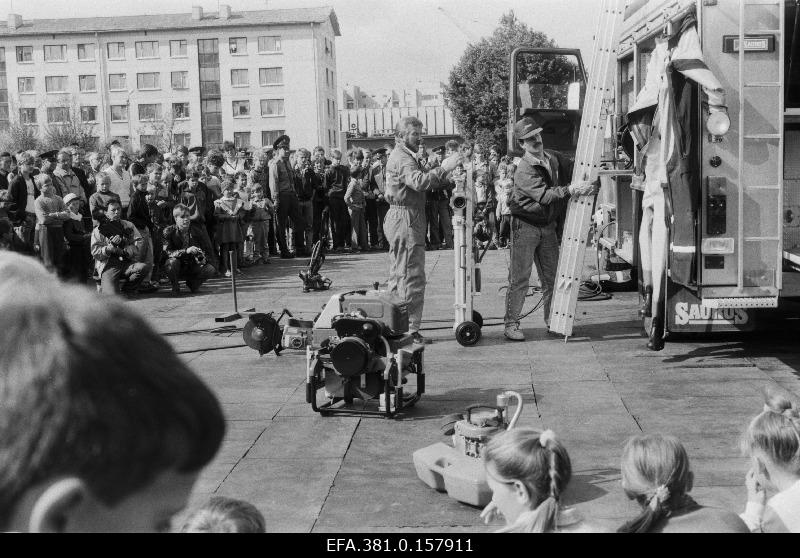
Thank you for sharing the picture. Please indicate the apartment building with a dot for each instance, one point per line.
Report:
(206, 77)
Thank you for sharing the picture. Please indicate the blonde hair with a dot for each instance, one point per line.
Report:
(655, 473)
(225, 515)
(540, 462)
(776, 432)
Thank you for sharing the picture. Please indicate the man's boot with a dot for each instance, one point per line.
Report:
(656, 340)
(646, 309)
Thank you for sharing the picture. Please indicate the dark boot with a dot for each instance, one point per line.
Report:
(646, 309)
(656, 340)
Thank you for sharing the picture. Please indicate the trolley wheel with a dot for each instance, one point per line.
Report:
(468, 333)
(477, 318)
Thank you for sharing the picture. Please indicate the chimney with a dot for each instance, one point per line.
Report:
(197, 13)
(224, 11)
(14, 21)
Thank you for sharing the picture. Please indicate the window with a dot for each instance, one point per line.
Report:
(150, 111)
(350, 104)
(180, 80)
(89, 114)
(239, 78)
(116, 51)
(238, 45)
(27, 116)
(86, 51)
(269, 44)
(327, 77)
(146, 49)
(24, 54)
(268, 137)
(270, 76)
(87, 83)
(180, 110)
(182, 139)
(241, 140)
(119, 113)
(57, 115)
(55, 53)
(241, 108)
(25, 84)
(271, 107)
(55, 84)
(116, 82)
(149, 138)
(177, 49)
(328, 103)
(150, 80)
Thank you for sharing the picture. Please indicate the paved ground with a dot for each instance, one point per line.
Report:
(332, 474)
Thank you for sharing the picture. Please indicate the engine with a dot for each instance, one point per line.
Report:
(361, 352)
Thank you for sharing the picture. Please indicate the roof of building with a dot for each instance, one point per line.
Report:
(156, 22)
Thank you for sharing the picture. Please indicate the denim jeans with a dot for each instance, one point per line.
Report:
(530, 245)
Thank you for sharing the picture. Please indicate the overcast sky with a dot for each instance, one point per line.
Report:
(384, 43)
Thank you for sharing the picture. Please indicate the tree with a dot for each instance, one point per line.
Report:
(161, 132)
(72, 130)
(477, 92)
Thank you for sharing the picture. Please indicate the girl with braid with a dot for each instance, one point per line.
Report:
(773, 442)
(527, 471)
(656, 473)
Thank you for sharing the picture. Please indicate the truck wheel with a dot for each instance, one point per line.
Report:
(468, 333)
(477, 318)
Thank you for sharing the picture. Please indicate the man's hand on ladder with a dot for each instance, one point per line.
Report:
(584, 187)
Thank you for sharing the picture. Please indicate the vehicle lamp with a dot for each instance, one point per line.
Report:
(718, 123)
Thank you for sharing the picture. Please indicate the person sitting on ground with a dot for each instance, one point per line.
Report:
(103, 428)
(225, 515)
(78, 239)
(98, 202)
(773, 442)
(656, 473)
(115, 246)
(139, 215)
(196, 197)
(185, 256)
(527, 471)
(50, 216)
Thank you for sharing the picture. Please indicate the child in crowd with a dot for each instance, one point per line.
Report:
(527, 471)
(240, 184)
(74, 361)
(356, 202)
(229, 211)
(50, 216)
(773, 442)
(98, 202)
(139, 215)
(503, 187)
(656, 473)
(78, 238)
(225, 515)
(260, 217)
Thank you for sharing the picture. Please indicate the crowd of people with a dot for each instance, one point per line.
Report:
(138, 222)
(104, 428)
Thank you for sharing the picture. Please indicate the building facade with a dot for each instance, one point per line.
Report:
(198, 78)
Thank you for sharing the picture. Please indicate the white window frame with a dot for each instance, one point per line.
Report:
(28, 79)
(238, 51)
(185, 48)
(186, 140)
(57, 121)
(265, 71)
(66, 84)
(277, 133)
(279, 50)
(188, 111)
(124, 108)
(249, 140)
(35, 116)
(108, 51)
(156, 81)
(21, 49)
(136, 50)
(246, 76)
(185, 79)
(80, 80)
(63, 53)
(94, 52)
(239, 115)
(86, 107)
(158, 113)
(263, 115)
(124, 84)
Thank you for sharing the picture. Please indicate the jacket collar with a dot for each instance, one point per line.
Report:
(546, 162)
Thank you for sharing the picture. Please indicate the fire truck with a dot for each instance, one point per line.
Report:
(745, 218)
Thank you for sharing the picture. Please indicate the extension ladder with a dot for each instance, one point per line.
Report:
(587, 158)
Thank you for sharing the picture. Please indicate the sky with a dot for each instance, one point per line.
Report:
(384, 43)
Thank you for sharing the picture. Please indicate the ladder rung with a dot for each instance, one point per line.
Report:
(762, 187)
(762, 84)
(762, 31)
(762, 136)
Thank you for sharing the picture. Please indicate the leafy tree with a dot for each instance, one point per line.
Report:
(477, 92)
(74, 130)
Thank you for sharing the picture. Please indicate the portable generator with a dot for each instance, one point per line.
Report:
(458, 469)
(361, 351)
(264, 333)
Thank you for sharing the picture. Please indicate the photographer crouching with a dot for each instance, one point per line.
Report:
(185, 257)
(535, 210)
(405, 223)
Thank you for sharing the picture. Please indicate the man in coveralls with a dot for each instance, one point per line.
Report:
(405, 223)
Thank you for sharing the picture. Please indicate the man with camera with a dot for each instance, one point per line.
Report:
(405, 224)
(535, 209)
(185, 257)
(284, 197)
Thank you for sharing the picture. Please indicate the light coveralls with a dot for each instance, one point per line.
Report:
(405, 226)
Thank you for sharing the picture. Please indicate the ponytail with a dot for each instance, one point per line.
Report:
(547, 511)
(653, 512)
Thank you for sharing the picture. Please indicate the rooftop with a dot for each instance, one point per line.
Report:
(156, 22)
